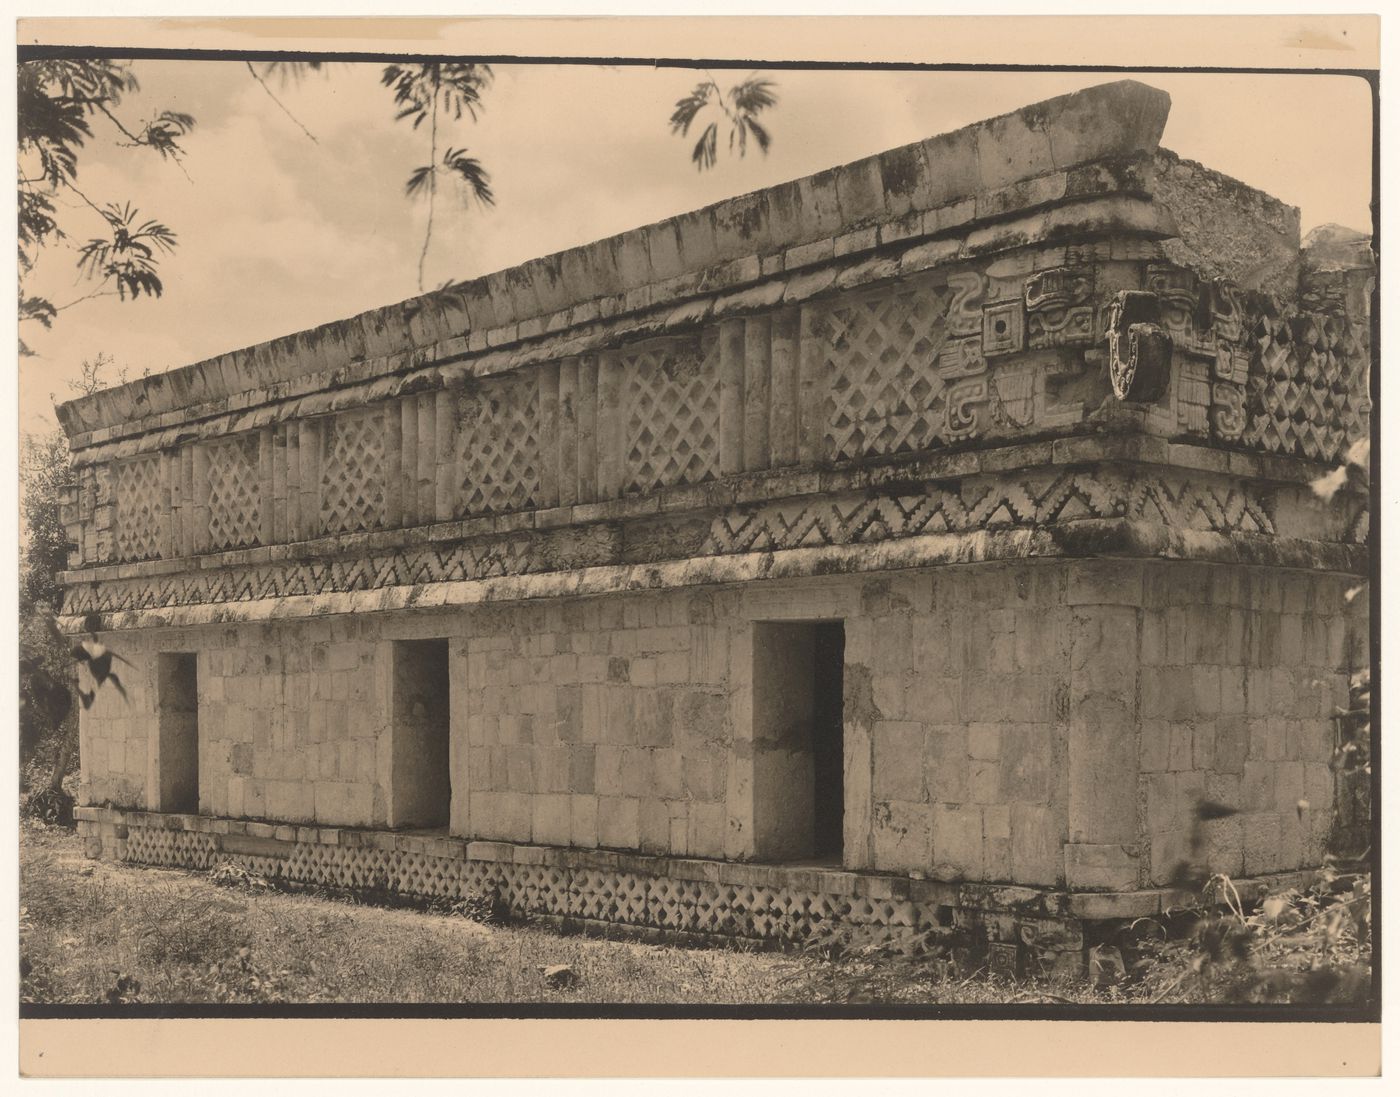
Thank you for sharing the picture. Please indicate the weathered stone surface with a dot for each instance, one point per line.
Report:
(632, 497)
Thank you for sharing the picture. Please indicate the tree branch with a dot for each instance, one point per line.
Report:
(96, 209)
(432, 190)
(719, 96)
(86, 297)
(279, 102)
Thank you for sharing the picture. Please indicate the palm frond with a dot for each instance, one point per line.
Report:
(688, 108)
(128, 258)
(703, 154)
(163, 132)
(753, 95)
(469, 170)
(738, 107)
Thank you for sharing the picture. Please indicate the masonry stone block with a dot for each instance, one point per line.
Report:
(1060, 629)
(1262, 843)
(900, 836)
(708, 824)
(957, 841)
(899, 753)
(947, 762)
(1095, 867)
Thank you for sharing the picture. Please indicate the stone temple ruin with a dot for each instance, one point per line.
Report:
(907, 546)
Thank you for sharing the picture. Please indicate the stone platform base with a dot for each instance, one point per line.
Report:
(1018, 931)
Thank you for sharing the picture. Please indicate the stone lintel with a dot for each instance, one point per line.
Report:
(1125, 449)
(1115, 537)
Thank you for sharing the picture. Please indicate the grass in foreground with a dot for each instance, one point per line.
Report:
(98, 932)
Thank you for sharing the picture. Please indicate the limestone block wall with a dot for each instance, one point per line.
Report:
(290, 723)
(965, 721)
(116, 737)
(597, 723)
(627, 722)
(1045, 722)
(1241, 671)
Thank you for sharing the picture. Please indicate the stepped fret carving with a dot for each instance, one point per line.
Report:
(1032, 500)
(1035, 500)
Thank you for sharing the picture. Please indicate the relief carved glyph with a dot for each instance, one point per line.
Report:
(917, 365)
(1250, 370)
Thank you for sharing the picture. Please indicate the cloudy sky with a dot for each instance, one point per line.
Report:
(279, 232)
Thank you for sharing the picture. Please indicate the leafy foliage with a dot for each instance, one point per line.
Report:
(129, 257)
(164, 131)
(239, 978)
(1304, 947)
(57, 101)
(740, 106)
(452, 87)
(468, 169)
(46, 676)
(47, 660)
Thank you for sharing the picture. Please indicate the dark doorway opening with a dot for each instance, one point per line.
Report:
(177, 700)
(799, 745)
(828, 742)
(421, 786)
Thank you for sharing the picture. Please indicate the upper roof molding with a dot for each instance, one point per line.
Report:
(1108, 122)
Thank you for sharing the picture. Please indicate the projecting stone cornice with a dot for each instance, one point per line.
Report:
(1288, 473)
(945, 237)
(1047, 153)
(1119, 495)
(1012, 284)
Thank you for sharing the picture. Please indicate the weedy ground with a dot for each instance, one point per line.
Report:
(98, 932)
(101, 932)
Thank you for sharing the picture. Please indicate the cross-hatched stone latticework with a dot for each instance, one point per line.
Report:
(1308, 388)
(884, 393)
(671, 401)
(588, 894)
(235, 493)
(499, 445)
(174, 848)
(353, 471)
(137, 491)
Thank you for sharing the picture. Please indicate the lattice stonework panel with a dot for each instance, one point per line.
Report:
(139, 510)
(670, 399)
(235, 493)
(593, 894)
(1308, 385)
(499, 451)
(177, 848)
(353, 471)
(884, 389)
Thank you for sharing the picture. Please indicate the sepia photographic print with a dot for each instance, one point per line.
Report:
(697, 520)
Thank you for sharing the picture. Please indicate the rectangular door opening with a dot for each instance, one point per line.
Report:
(177, 699)
(421, 787)
(799, 745)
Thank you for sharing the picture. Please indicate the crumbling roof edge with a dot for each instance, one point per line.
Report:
(1112, 121)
